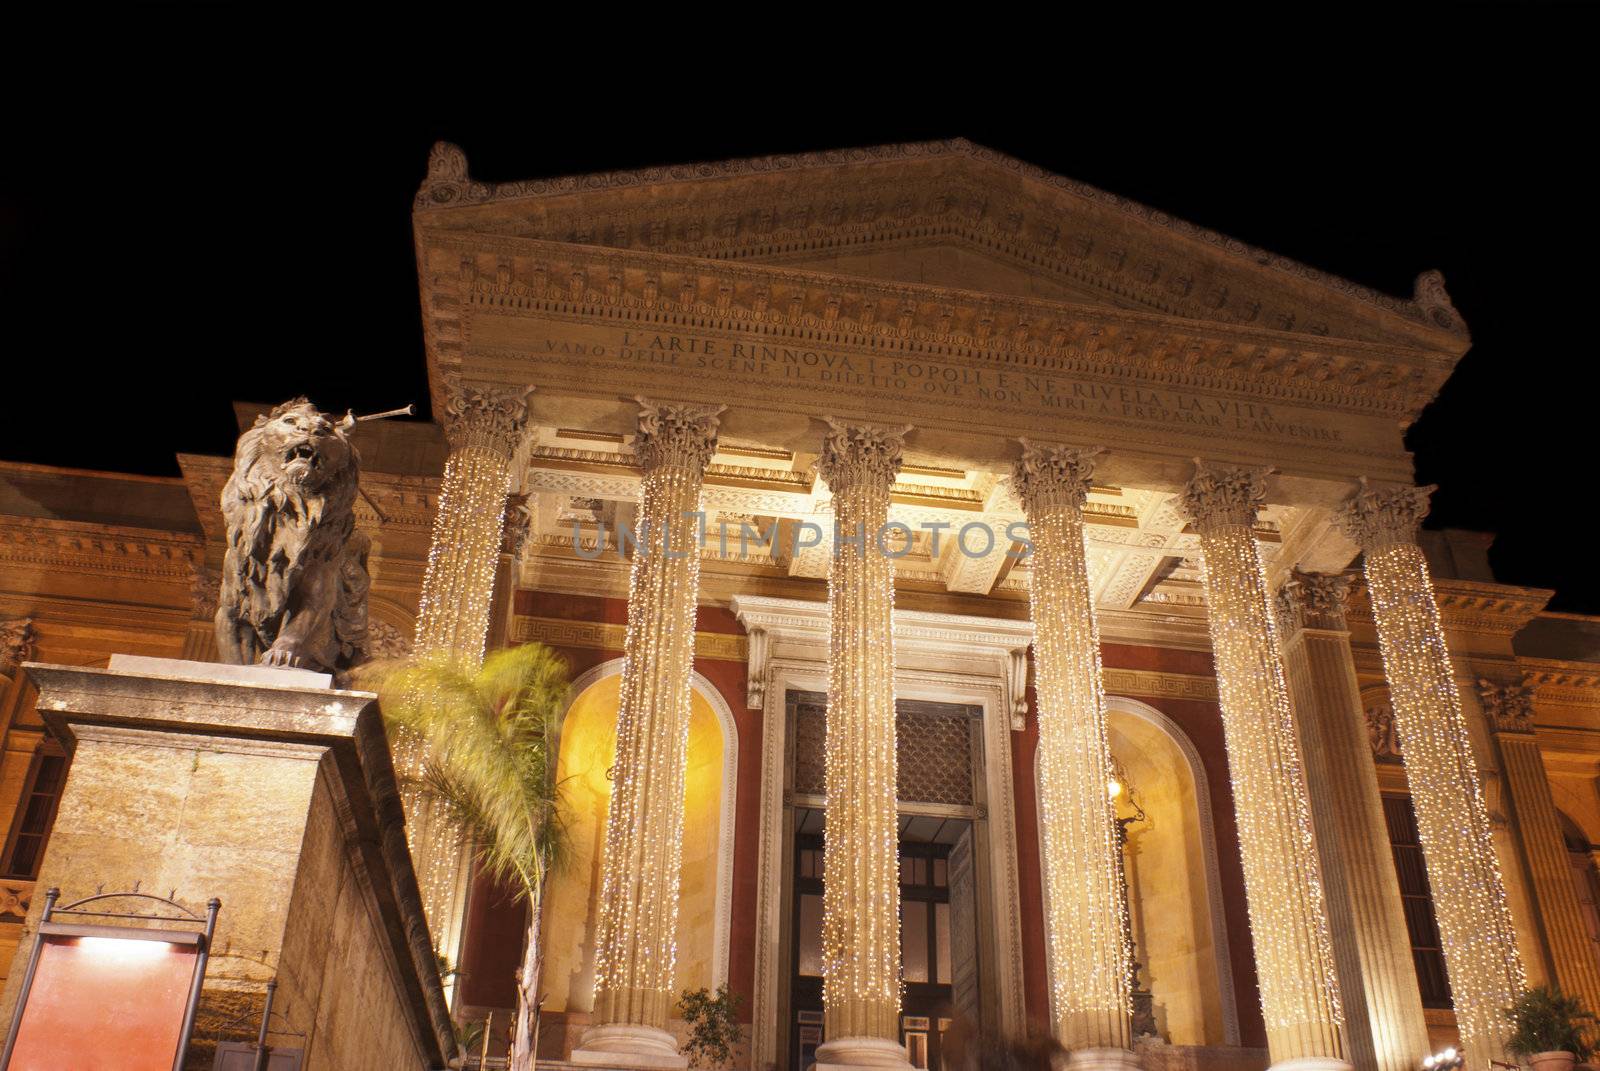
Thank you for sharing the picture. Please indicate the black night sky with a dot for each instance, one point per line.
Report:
(194, 211)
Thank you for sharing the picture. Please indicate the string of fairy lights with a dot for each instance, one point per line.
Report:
(636, 936)
(1082, 855)
(1283, 888)
(452, 615)
(861, 882)
(1469, 897)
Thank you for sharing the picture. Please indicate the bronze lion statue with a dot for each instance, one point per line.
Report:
(294, 581)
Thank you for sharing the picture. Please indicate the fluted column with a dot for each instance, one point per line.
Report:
(636, 937)
(1283, 886)
(1385, 1028)
(484, 424)
(861, 873)
(1509, 708)
(1469, 899)
(1082, 856)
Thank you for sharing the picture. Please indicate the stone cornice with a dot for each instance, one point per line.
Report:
(1028, 335)
(1475, 606)
(1143, 254)
(99, 549)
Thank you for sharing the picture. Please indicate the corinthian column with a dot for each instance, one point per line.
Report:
(484, 424)
(636, 938)
(861, 872)
(1469, 898)
(1283, 887)
(1082, 856)
(1544, 847)
(1372, 950)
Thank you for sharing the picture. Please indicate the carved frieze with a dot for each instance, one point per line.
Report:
(16, 643)
(1381, 733)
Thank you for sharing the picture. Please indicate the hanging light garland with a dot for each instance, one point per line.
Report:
(1082, 854)
(636, 937)
(861, 873)
(1469, 896)
(1283, 886)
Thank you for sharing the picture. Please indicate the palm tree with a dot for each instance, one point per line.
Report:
(489, 735)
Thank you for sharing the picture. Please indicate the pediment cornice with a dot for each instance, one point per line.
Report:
(783, 207)
(466, 275)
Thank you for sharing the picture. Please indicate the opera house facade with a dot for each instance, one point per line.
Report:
(992, 606)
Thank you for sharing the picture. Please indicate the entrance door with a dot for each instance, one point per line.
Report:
(937, 952)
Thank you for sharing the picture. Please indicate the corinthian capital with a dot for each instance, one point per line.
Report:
(1313, 600)
(1049, 475)
(1220, 495)
(858, 454)
(1378, 516)
(676, 435)
(16, 643)
(484, 415)
(1509, 706)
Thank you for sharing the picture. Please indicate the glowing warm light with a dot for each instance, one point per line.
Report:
(1283, 885)
(123, 949)
(861, 871)
(1088, 942)
(1469, 897)
(636, 949)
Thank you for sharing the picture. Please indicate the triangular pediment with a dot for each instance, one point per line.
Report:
(941, 213)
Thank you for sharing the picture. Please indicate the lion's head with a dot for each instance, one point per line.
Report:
(290, 576)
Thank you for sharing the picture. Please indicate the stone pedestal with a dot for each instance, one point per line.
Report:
(271, 791)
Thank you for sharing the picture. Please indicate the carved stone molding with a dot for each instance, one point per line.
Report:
(1381, 732)
(98, 550)
(517, 525)
(205, 589)
(1378, 516)
(594, 635)
(1067, 228)
(756, 669)
(386, 643)
(484, 415)
(1218, 496)
(861, 454)
(1509, 707)
(676, 434)
(1017, 685)
(1049, 475)
(16, 643)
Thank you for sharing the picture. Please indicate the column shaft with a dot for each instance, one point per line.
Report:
(1475, 930)
(484, 425)
(1544, 849)
(1384, 1020)
(1283, 886)
(636, 937)
(1082, 853)
(861, 874)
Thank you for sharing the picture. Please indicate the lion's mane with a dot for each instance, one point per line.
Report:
(294, 574)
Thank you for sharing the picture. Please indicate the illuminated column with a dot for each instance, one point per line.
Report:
(1544, 848)
(1283, 889)
(1384, 1022)
(1469, 899)
(484, 424)
(1082, 857)
(636, 938)
(861, 872)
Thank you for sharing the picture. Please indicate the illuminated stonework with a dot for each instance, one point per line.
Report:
(636, 936)
(1288, 918)
(861, 886)
(1081, 852)
(484, 425)
(1475, 928)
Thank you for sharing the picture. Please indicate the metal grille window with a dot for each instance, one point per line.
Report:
(933, 741)
(36, 813)
(1417, 898)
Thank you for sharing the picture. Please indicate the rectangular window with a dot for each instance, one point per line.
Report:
(36, 813)
(1416, 898)
(914, 940)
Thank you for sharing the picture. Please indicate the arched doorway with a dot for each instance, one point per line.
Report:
(586, 753)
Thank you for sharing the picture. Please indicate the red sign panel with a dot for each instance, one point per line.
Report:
(107, 1003)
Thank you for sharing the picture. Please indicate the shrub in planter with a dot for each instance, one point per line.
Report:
(713, 1026)
(1549, 1028)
